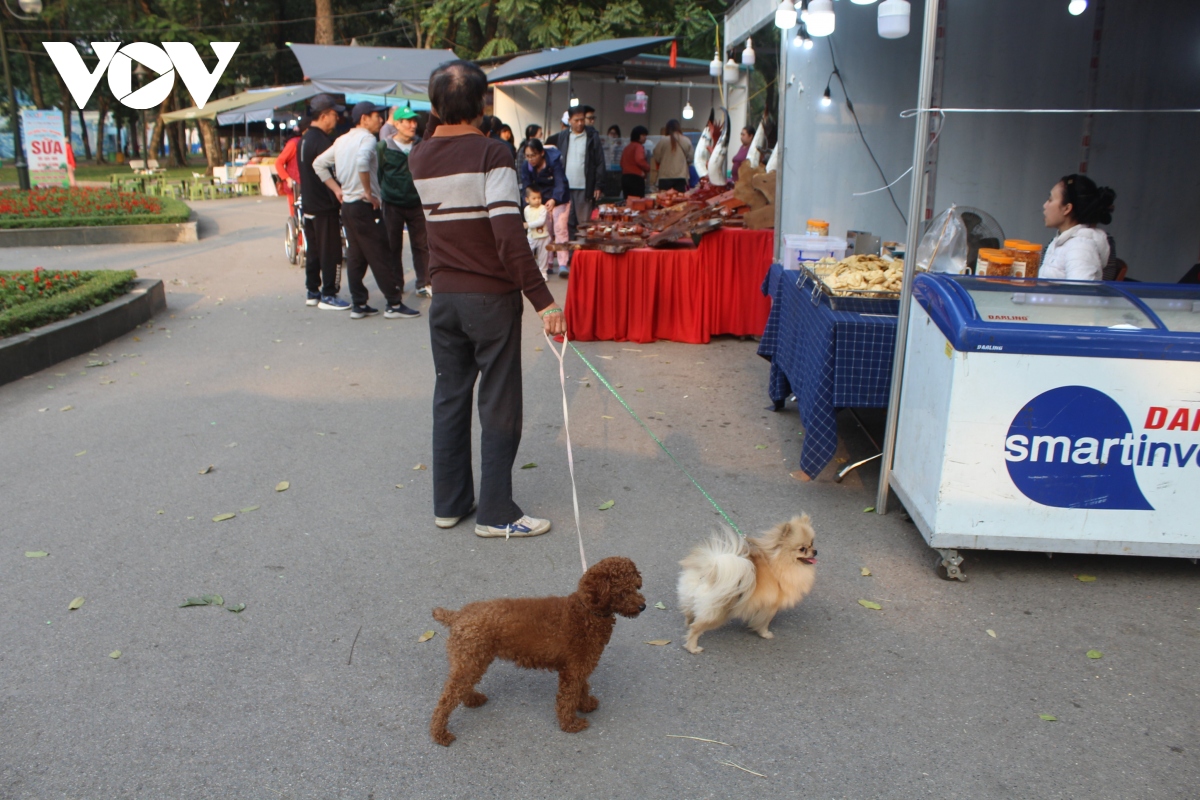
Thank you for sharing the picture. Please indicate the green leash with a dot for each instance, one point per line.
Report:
(633, 413)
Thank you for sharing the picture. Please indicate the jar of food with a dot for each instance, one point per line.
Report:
(999, 264)
(981, 262)
(1027, 258)
(818, 227)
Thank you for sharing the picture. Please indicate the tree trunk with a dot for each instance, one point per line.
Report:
(102, 102)
(35, 80)
(212, 145)
(156, 140)
(324, 29)
(175, 132)
(83, 134)
(135, 140)
(203, 144)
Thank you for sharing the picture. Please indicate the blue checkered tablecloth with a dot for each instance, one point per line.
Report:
(828, 359)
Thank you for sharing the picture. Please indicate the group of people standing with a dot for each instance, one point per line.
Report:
(360, 182)
(559, 181)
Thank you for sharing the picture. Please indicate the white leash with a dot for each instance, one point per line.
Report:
(562, 378)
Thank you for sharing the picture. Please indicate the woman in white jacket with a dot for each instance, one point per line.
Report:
(1079, 251)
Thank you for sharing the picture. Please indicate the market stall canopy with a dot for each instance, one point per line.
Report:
(352, 69)
(593, 54)
(235, 101)
(263, 108)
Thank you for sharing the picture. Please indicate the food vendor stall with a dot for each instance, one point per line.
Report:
(1056, 416)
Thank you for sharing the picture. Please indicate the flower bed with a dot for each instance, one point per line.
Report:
(64, 208)
(31, 299)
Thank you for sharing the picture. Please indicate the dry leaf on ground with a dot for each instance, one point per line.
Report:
(75, 604)
(871, 605)
(866, 573)
(223, 517)
(282, 486)
(207, 470)
(115, 654)
(658, 642)
(426, 636)
(606, 505)
(36, 554)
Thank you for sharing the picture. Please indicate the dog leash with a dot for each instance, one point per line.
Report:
(562, 379)
(632, 413)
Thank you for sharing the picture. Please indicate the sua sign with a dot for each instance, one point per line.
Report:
(165, 61)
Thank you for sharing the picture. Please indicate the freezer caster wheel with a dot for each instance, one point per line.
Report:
(950, 567)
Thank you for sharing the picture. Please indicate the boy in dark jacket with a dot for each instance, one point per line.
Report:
(401, 203)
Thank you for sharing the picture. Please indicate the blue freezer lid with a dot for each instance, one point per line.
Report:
(1157, 321)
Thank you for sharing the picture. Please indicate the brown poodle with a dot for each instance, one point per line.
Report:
(563, 634)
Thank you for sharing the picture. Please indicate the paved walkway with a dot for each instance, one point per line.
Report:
(914, 700)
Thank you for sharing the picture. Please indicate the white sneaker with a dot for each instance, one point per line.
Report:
(524, 527)
(450, 522)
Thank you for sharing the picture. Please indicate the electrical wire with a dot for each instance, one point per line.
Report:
(218, 26)
(904, 174)
(850, 107)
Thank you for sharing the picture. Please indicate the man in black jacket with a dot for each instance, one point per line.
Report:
(322, 211)
(583, 159)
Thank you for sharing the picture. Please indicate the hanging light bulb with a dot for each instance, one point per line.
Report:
(803, 11)
(826, 99)
(688, 112)
(798, 40)
(748, 55)
(862, 2)
(714, 66)
(785, 15)
(574, 102)
(894, 18)
(820, 20)
(1077, 7)
(808, 42)
(731, 71)
(30, 6)
(270, 125)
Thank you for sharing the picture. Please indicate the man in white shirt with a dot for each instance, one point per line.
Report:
(350, 169)
(583, 157)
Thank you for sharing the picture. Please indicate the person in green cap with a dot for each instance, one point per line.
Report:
(401, 203)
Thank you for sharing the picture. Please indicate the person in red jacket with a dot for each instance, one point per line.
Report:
(634, 166)
(288, 167)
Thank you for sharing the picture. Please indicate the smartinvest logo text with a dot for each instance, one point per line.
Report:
(164, 61)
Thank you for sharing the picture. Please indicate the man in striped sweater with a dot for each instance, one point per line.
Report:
(479, 264)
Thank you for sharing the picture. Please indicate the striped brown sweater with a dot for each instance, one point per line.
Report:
(468, 188)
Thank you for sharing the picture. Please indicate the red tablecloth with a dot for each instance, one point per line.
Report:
(682, 295)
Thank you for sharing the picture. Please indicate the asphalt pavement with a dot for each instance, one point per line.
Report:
(321, 687)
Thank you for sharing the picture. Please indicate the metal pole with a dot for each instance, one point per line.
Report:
(781, 87)
(916, 205)
(18, 147)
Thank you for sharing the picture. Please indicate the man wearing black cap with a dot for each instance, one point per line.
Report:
(322, 213)
(350, 170)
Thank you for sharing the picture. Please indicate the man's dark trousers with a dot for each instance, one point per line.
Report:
(369, 245)
(323, 256)
(395, 218)
(476, 335)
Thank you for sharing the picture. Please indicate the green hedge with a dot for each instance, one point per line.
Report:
(103, 286)
(173, 211)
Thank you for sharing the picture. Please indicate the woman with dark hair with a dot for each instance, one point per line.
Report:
(532, 131)
(634, 166)
(743, 152)
(1079, 251)
(614, 132)
(672, 157)
(506, 136)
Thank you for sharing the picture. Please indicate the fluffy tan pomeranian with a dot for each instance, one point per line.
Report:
(750, 579)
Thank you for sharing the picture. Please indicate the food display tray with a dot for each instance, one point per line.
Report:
(860, 301)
